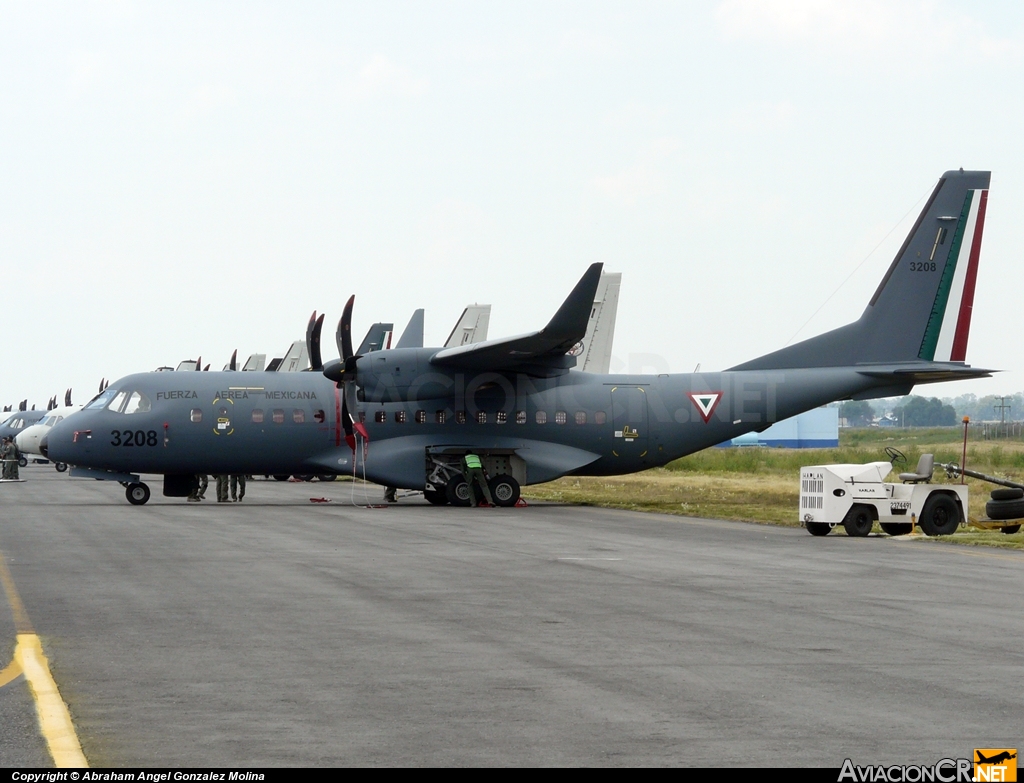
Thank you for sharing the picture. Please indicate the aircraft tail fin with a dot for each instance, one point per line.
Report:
(471, 326)
(412, 337)
(921, 311)
(378, 338)
(596, 354)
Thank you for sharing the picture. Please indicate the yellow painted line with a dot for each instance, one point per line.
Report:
(54, 718)
(10, 674)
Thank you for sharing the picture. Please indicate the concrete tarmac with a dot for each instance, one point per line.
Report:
(281, 632)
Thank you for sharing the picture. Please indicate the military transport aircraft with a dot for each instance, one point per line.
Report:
(404, 417)
(30, 438)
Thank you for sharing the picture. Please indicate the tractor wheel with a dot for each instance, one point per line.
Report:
(436, 497)
(1011, 529)
(940, 516)
(818, 528)
(1005, 509)
(858, 521)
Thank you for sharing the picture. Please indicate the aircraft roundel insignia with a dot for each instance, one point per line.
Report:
(706, 403)
(576, 350)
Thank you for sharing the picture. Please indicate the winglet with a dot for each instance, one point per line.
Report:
(573, 315)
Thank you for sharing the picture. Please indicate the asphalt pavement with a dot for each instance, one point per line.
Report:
(277, 631)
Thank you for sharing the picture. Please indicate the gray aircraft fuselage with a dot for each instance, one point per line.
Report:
(575, 423)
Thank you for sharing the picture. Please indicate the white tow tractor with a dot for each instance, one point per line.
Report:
(856, 496)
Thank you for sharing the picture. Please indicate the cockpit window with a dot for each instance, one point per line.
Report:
(137, 403)
(99, 402)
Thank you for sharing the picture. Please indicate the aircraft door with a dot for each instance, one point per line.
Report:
(629, 421)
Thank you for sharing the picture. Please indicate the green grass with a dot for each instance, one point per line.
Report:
(762, 484)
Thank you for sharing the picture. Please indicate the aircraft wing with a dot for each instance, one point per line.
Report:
(925, 372)
(546, 349)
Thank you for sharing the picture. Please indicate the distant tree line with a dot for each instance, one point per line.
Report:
(916, 411)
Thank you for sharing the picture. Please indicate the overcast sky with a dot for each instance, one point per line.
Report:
(190, 178)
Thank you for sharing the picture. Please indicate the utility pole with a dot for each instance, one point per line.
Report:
(1002, 407)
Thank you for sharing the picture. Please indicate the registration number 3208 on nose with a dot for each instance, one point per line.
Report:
(133, 438)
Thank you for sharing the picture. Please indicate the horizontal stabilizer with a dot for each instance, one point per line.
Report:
(548, 347)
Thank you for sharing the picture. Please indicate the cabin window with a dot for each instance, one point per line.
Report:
(581, 417)
(421, 417)
(439, 417)
(197, 415)
(299, 416)
(257, 415)
(520, 417)
(319, 416)
(138, 403)
(400, 417)
(460, 417)
(380, 417)
(481, 417)
(560, 417)
(98, 402)
(277, 416)
(501, 417)
(118, 402)
(600, 417)
(542, 417)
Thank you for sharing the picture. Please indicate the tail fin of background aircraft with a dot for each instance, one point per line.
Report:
(471, 327)
(412, 337)
(921, 311)
(596, 356)
(378, 338)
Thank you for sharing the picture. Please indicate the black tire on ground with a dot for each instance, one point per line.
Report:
(1008, 493)
(504, 490)
(858, 521)
(1005, 509)
(328, 477)
(940, 516)
(60, 466)
(281, 477)
(818, 528)
(897, 528)
(22, 462)
(457, 491)
(305, 477)
(1011, 529)
(436, 497)
(137, 494)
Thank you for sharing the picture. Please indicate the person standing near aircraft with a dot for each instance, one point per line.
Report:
(199, 489)
(473, 470)
(237, 487)
(222, 487)
(9, 454)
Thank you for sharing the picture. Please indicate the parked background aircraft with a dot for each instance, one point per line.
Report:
(412, 413)
(30, 438)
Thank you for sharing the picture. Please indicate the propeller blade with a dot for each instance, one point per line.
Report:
(67, 398)
(344, 336)
(233, 364)
(206, 368)
(101, 385)
(199, 364)
(106, 385)
(313, 342)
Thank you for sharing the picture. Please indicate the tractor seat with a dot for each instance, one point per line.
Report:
(925, 466)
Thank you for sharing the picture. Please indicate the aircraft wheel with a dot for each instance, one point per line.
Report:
(858, 522)
(137, 494)
(305, 477)
(504, 490)
(1011, 529)
(22, 462)
(818, 528)
(60, 466)
(328, 477)
(436, 497)
(897, 528)
(281, 477)
(457, 491)
(940, 516)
